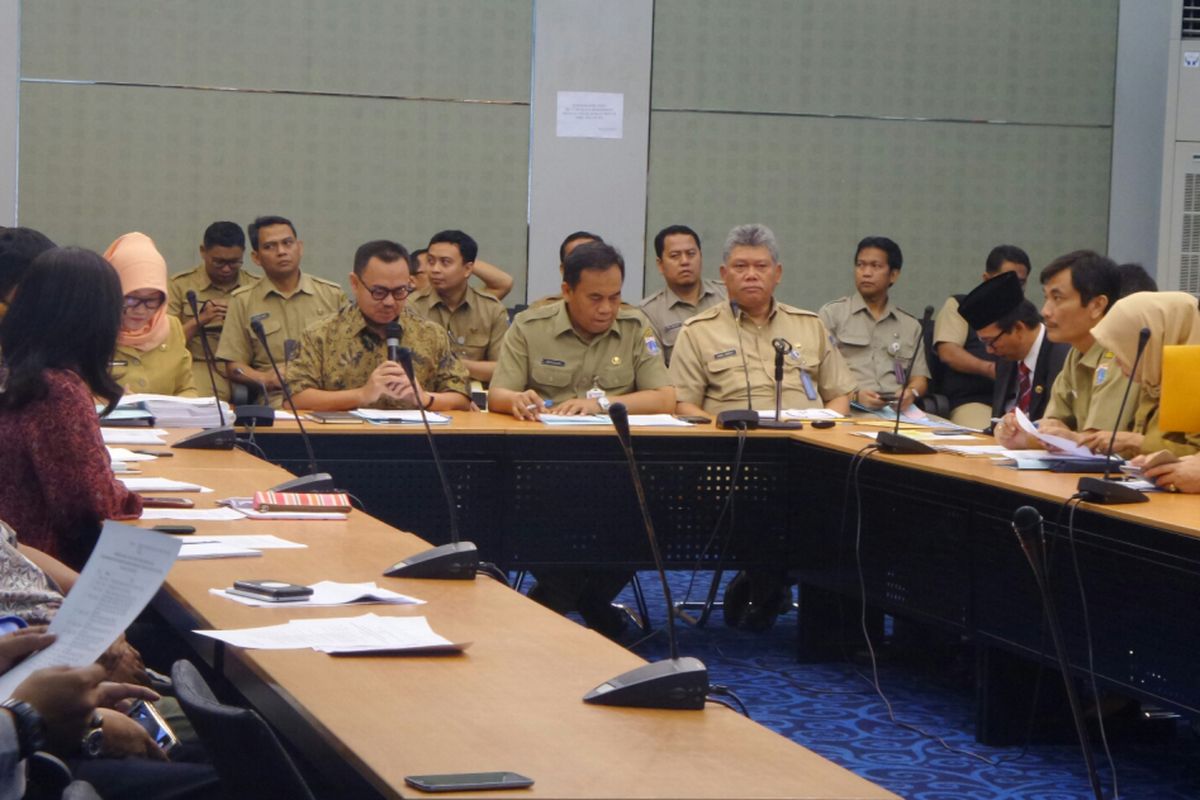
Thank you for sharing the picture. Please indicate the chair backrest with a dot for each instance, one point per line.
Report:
(250, 760)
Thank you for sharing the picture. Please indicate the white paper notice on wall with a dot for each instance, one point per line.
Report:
(591, 115)
(1191, 60)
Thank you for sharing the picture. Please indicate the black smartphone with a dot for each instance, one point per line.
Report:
(823, 423)
(695, 419)
(271, 591)
(468, 781)
(148, 717)
(174, 528)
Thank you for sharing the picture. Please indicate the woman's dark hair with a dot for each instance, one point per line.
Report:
(65, 315)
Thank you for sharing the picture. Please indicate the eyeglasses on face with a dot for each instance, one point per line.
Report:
(380, 293)
(990, 341)
(151, 303)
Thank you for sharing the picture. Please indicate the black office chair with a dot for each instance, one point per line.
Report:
(250, 760)
(933, 402)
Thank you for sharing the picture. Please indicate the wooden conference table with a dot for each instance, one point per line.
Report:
(937, 545)
(511, 702)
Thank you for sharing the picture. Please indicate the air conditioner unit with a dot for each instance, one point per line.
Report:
(1179, 229)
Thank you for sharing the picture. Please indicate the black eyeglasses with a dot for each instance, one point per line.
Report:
(399, 293)
(151, 303)
(990, 341)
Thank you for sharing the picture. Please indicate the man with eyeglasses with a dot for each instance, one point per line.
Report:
(1011, 328)
(218, 275)
(475, 321)
(343, 358)
(877, 339)
(286, 303)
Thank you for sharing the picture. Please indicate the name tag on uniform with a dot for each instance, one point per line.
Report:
(553, 362)
(725, 354)
(809, 389)
(112, 364)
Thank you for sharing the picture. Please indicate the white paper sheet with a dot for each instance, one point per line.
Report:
(123, 454)
(161, 485)
(204, 550)
(590, 115)
(657, 421)
(257, 541)
(331, 593)
(193, 514)
(578, 419)
(124, 571)
(133, 435)
(802, 413)
(1057, 442)
(366, 633)
(399, 415)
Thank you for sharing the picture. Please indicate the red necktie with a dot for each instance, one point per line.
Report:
(1024, 387)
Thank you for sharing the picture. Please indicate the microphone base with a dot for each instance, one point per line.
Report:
(680, 683)
(738, 418)
(901, 445)
(223, 438)
(1109, 493)
(780, 425)
(319, 482)
(257, 415)
(455, 561)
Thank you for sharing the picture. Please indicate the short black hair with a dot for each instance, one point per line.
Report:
(386, 251)
(574, 237)
(1135, 278)
(1025, 313)
(593, 255)
(467, 248)
(891, 250)
(1006, 252)
(674, 230)
(1092, 275)
(414, 260)
(65, 316)
(226, 234)
(18, 249)
(266, 221)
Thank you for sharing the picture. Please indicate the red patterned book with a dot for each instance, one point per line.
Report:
(302, 501)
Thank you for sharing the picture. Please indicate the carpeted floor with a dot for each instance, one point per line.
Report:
(831, 709)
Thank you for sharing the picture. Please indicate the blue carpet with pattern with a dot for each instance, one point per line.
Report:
(832, 709)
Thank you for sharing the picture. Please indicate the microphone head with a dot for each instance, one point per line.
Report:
(928, 312)
(193, 301)
(781, 345)
(619, 414)
(1026, 518)
(404, 357)
(1143, 337)
(393, 331)
(257, 326)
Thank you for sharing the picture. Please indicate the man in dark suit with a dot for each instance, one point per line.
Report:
(1011, 328)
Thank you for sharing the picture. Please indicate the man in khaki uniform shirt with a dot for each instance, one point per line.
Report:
(1080, 287)
(686, 294)
(878, 340)
(565, 249)
(343, 358)
(219, 274)
(287, 302)
(475, 322)
(707, 367)
(561, 351)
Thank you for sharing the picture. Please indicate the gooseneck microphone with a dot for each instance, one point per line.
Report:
(457, 560)
(1101, 490)
(892, 441)
(679, 683)
(781, 346)
(746, 419)
(220, 438)
(394, 332)
(315, 481)
(1027, 525)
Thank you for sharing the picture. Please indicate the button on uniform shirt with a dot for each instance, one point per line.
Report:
(166, 369)
(197, 280)
(543, 352)
(875, 348)
(340, 352)
(667, 311)
(289, 316)
(476, 328)
(707, 365)
(1087, 392)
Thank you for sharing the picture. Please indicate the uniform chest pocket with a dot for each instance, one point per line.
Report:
(548, 375)
(474, 345)
(854, 338)
(616, 377)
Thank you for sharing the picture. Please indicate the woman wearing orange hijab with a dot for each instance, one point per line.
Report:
(151, 355)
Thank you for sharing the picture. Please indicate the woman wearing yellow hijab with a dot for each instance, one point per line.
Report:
(151, 355)
(1173, 318)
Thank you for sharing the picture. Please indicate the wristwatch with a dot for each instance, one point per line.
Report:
(604, 403)
(31, 730)
(93, 741)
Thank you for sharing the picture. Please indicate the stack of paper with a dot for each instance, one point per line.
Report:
(382, 415)
(161, 485)
(181, 412)
(133, 435)
(331, 593)
(802, 413)
(235, 546)
(368, 633)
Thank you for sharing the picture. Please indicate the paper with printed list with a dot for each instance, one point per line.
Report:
(369, 633)
(122, 575)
